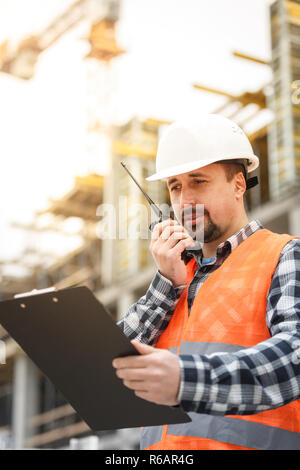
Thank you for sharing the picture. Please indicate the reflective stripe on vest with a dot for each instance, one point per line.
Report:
(196, 347)
(230, 430)
(229, 314)
(152, 434)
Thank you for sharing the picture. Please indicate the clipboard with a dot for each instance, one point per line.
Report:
(72, 339)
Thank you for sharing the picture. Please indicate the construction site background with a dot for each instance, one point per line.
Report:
(61, 244)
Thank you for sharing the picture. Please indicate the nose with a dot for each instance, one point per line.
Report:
(187, 198)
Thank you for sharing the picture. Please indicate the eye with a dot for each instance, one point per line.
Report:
(199, 181)
(175, 188)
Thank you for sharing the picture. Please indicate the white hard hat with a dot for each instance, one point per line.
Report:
(187, 146)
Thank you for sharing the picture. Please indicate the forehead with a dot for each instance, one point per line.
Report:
(207, 171)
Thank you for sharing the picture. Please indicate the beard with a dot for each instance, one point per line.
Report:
(212, 231)
(205, 231)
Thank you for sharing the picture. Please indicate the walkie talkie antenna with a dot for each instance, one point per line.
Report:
(157, 211)
(155, 208)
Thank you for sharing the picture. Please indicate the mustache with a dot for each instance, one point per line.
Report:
(193, 212)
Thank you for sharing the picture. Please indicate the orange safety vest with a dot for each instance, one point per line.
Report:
(227, 315)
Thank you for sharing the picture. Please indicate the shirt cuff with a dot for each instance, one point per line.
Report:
(162, 287)
(192, 383)
(178, 289)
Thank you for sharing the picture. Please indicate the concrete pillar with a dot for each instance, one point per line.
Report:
(25, 398)
(85, 443)
(125, 300)
(108, 244)
(294, 221)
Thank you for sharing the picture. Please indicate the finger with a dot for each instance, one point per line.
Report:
(129, 362)
(179, 247)
(169, 240)
(143, 348)
(176, 238)
(175, 231)
(144, 395)
(132, 374)
(137, 385)
(167, 245)
(160, 227)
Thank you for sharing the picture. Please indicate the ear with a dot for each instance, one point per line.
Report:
(239, 185)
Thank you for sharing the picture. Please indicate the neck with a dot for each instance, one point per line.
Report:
(209, 249)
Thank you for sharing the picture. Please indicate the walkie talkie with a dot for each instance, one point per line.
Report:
(153, 206)
(161, 216)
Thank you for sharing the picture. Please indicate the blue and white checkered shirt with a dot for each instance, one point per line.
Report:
(251, 380)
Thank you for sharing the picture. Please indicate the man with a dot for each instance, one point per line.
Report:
(218, 331)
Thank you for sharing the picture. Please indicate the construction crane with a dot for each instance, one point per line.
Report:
(244, 99)
(257, 60)
(21, 60)
(236, 104)
(86, 194)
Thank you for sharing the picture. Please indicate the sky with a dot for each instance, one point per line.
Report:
(170, 44)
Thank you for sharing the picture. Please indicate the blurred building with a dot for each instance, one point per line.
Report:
(35, 414)
(118, 269)
(284, 133)
(135, 144)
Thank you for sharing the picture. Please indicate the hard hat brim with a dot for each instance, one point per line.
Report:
(253, 163)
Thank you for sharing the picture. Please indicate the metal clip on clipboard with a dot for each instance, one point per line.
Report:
(35, 292)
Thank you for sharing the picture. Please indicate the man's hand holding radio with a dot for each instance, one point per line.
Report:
(154, 374)
(168, 241)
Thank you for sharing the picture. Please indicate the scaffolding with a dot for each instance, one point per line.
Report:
(233, 108)
(284, 132)
(119, 269)
(126, 252)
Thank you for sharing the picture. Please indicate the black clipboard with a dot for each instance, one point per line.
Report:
(72, 339)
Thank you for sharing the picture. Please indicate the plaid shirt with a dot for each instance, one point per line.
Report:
(248, 381)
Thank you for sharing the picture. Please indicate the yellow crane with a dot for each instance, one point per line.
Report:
(21, 60)
(244, 99)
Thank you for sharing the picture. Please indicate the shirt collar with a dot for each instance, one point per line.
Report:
(228, 245)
